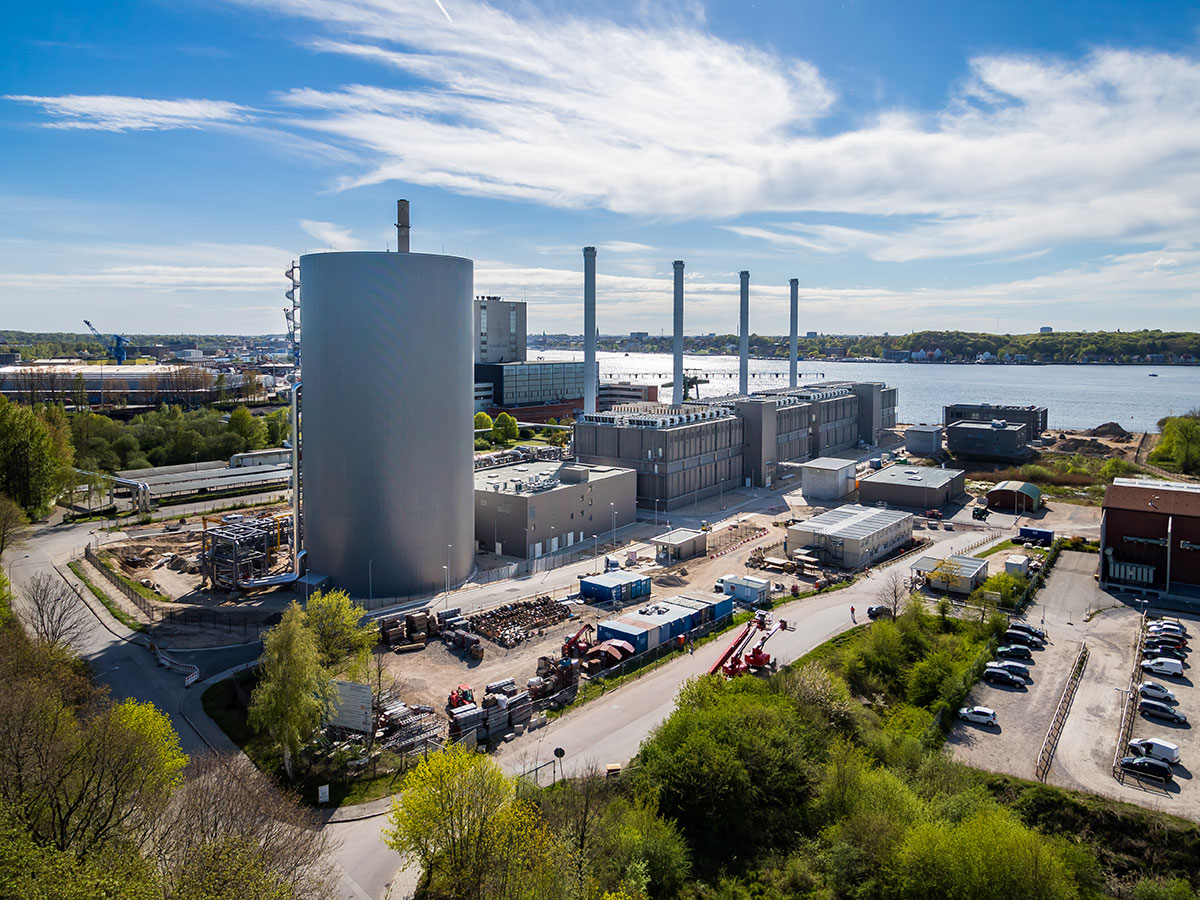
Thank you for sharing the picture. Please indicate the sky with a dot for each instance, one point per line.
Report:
(990, 166)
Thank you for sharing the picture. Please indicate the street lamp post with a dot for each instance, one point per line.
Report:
(595, 550)
(614, 518)
(656, 512)
(449, 547)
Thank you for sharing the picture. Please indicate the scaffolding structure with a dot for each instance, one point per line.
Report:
(232, 554)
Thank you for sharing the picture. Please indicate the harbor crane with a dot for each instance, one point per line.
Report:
(114, 347)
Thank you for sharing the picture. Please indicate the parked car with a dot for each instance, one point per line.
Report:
(1167, 631)
(1022, 637)
(980, 715)
(232, 517)
(1028, 629)
(879, 611)
(1011, 665)
(1155, 748)
(1016, 651)
(996, 675)
(1153, 650)
(1157, 710)
(1168, 625)
(1168, 620)
(1170, 640)
(1163, 666)
(1152, 690)
(1146, 765)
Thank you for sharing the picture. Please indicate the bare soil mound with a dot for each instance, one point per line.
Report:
(1110, 430)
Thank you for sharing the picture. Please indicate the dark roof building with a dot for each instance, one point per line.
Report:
(1150, 537)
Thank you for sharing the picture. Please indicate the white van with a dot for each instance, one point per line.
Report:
(1156, 748)
(1164, 666)
(720, 587)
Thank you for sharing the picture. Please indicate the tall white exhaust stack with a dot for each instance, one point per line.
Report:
(677, 390)
(744, 332)
(402, 226)
(589, 330)
(794, 342)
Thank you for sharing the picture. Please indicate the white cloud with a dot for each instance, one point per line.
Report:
(109, 113)
(332, 236)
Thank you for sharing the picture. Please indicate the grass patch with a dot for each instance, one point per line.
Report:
(141, 589)
(226, 703)
(1010, 544)
(824, 651)
(117, 613)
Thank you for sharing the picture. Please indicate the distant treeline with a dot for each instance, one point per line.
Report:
(58, 344)
(1059, 347)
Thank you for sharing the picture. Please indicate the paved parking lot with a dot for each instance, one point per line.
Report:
(1023, 714)
(1075, 609)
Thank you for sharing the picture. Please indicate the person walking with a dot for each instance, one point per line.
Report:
(852, 619)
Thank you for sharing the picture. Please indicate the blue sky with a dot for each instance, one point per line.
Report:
(985, 165)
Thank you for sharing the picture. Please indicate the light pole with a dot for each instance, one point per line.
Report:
(446, 593)
(614, 517)
(656, 512)
(449, 547)
(595, 550)
(552, 545)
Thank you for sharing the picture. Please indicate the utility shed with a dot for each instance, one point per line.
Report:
(1019, 496)
(748, 589)
(827, 478)
(915, 487)
(660, 621)
(923, 440)
(615, 587)
(851, 536)
(1017, 565)
(956, 574)
(681, 543)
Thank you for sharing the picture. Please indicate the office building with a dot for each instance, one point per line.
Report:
(499, 328)
(1032, 417)
(996, 439)
(851, 536)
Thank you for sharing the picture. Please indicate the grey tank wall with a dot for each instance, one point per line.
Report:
(387, 416)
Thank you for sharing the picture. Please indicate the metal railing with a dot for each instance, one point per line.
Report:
(1054, 732)
(1129, 708)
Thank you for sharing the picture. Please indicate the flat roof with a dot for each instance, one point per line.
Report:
(613, 579)
(853, 521)
(537, 472)
(924, 428)
(963, 566)
(829, 464)
(677, 536)
(915, 476)
(1145, 495)
(974, 425)
(657, 612)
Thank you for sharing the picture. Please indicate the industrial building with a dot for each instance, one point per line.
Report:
(1032, 417)
(996, 439)
(687, 453)
(680, 454)
(827, 478)
(912, 487)
(923, 440)
(749, 589)
(956, 574)
(679, 544)
(1015, 497)
(615, 393)
(614, 587)
(851, 536)
(519, 384)
(537, 507)
(134, 385)
(1150, 537)
(387, 408)
(660, 621)
(499, 329)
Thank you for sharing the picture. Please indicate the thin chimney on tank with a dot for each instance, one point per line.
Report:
(589, 330)
(402, 226)
(794, 340)
(744, 342)
(677, 389)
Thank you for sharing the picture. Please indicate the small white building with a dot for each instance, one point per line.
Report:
(1017, 565)
(852, 536)
(748, 588)
(827, 478)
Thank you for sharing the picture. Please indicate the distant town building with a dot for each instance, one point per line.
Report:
(9, 359)
(810, 335)
(1046, 329)
(897, 355)
(612, 393)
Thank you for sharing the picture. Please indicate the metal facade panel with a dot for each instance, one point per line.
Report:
(387, 417)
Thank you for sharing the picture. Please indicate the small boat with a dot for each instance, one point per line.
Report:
(1153, 374)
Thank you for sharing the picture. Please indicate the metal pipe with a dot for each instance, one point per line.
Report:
(677, 386)
(744, 335)
(296, 477)
(589, 330)
(794, 340)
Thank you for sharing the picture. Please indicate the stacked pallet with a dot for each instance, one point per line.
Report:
(520, 711)
(392, 630)
(464, 719)
(418, 626)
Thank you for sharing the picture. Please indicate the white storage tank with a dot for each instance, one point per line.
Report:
(387, 413)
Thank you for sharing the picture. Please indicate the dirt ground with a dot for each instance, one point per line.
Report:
(427, 676)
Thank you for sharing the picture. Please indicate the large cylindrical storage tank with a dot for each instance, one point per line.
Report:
(388, 405)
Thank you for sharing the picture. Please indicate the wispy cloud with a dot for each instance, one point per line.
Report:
(332, 236)
(109, 113)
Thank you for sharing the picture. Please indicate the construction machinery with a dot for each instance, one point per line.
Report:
(731, 662)
(757, 658)
(114, 347)
(460, 696)
(758, 560)
(577, 645)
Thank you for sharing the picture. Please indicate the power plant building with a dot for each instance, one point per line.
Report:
(386, 420)
(499, 329)
(923, 440)
(996, 439)
(1150, 537)
(827, 478)
(533, 508)
(1032, 417)
(912, 487)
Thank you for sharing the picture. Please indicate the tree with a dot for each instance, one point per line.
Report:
(229, 823)
(893, 591)
(458, 815)
(13, 524)
(482, 421)
(30, 461)
(294, 692)
(504, 429)
(247, 426)
(338, 625)
(52, 612)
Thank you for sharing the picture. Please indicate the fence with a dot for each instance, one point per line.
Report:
(250, 622)
(1129, 709)
(1054, 732)
(641, 660)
